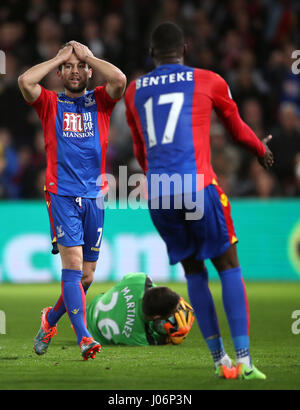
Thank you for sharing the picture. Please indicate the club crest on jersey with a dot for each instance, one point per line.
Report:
(72, 122)
(89, 100)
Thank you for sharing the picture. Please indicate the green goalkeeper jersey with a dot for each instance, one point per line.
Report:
(116, 317)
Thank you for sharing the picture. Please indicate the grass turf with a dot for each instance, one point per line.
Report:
(275, 349)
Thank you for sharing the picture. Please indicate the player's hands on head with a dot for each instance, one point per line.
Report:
(267, 160)
(64, 53)
(81, 51)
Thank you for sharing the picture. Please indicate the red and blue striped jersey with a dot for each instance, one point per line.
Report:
(76, 138)
(169, 111)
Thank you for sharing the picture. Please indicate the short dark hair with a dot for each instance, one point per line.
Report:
(159, 301)
(60, 48)
(166, 37)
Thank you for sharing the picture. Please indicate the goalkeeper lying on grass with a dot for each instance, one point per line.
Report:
(137, 312)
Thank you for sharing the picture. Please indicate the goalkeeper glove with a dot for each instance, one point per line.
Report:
(184, 320)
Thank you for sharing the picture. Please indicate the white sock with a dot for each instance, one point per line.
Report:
(225, 361)
(245, 360)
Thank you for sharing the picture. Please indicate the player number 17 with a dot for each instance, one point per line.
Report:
(176, 100)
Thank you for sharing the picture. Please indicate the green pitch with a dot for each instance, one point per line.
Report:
(274, 347)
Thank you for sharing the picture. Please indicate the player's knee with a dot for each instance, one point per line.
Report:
(191, 266)
(225, 263)
(229, 260)
(73, 264)
(71, 257)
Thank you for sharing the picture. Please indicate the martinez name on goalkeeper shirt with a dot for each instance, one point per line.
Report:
(116, 316)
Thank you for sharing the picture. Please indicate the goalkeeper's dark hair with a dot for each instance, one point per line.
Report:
(166, 37)
(159, 301)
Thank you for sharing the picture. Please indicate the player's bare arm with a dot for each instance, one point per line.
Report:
(29, 81)
(116, 80)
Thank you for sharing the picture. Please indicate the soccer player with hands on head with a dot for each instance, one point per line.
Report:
(75, 125)
(168, 111)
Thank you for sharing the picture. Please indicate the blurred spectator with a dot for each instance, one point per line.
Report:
(296, 188)
(24, 159)
(168, 10)
(111, 36)
(252, 113)
(264, 185)
(68, 19)
(36, 10)
(224, 158)
(92, 38)
(245, 86)
(285, 146)
(290, 85)
(88, 9)
(3, 163)
(49, 38)
(258, 182)
(12, 39)
(9, 165)
(33, 177)
(285, 85)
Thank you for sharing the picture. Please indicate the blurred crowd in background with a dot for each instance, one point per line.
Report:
(249, 43)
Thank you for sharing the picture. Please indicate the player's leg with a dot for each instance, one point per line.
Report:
(181, 247)
(202, 302)
(214, 234)
(87, 278)
(234, 300)
(74, 298)
(227, 264)
(88, 232)
(67, 222)
(59, 308)
(66, 228)
(236, 306)
(221, 246)
(92, 217)
(49, 316)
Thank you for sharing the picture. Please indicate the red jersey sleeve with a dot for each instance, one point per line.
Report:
(132, 117)
(227, 111)
(44, 103)
(104, 99)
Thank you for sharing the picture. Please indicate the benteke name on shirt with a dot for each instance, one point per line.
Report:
(164, 79)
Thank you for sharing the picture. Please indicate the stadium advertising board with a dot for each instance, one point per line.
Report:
(268, 233)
